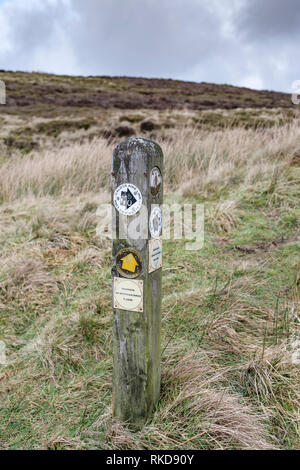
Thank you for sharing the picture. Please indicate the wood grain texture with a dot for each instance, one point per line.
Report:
(136, 375)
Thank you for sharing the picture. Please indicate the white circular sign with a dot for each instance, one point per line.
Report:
(155, 222)
(128, 199)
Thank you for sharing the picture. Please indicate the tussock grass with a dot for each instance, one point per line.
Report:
(203, 414)
(231, 312)
(77, 169)
(216, 161)
(195, 162)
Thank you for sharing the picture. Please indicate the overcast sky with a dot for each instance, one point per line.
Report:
(253, 43)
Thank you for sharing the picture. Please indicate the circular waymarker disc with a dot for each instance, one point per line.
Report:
(155, 222)
(128, 199)
(155, 181)
(129, 263)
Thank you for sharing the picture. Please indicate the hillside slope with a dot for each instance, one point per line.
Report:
(36, 89)
(51, 111)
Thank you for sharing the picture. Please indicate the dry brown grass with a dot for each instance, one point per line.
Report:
(194, 398)
(77, 169)
(24, 276)
(214, 161)
(195, 162)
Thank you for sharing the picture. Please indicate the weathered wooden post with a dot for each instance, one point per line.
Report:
(137, 195)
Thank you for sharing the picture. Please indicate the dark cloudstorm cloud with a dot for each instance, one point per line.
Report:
(148, 37)
(244, 42)
(270, 34)
(31, 28)
(261, 19)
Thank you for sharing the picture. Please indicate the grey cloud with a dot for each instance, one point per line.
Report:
(149, 37)
(244, 42)
(269, 33)
(269, 19)
(31, 30)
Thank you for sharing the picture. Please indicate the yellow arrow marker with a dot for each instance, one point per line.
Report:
(129, 263)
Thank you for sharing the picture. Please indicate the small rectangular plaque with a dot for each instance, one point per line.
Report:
(155, 255)
(128, 294)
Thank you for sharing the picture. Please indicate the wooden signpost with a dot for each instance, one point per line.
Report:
(137, 196)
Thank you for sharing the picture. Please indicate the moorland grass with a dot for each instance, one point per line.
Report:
(230, 312)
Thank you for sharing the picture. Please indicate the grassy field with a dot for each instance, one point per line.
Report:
(231, 312)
